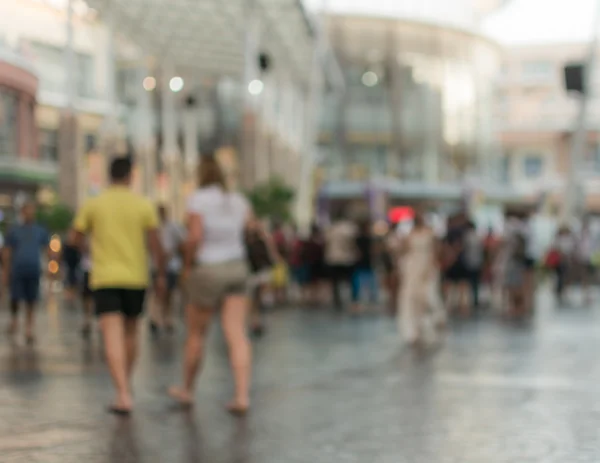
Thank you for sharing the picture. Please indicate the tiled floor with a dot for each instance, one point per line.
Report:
(327, 389)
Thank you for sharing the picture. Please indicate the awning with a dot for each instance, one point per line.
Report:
(206, 37)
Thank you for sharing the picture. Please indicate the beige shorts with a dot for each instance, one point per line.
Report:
(209, 284)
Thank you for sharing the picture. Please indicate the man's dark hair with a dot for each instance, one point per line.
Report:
(120, 168)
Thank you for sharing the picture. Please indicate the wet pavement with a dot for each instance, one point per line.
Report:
(327, 389)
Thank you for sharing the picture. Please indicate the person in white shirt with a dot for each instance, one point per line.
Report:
(216, 276)
(172, 236)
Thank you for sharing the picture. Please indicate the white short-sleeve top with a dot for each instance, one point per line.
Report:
(224, 216)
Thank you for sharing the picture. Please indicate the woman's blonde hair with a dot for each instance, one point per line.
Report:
(210, 173)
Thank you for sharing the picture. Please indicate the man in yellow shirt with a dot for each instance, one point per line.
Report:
(121, 226)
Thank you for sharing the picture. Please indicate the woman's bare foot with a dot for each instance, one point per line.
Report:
(123, 406)
(182, 396)
(238, 407)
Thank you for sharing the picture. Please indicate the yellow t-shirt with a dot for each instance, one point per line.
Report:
(117, 221)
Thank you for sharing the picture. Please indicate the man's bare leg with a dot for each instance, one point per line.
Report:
(30, 322)
(113, 331)
(13, 326)
(131, 344)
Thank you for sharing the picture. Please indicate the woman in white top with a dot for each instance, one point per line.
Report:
(216, 274)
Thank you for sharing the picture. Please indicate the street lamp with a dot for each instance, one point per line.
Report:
(176, 84)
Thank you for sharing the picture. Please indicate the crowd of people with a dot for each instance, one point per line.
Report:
(124, 253)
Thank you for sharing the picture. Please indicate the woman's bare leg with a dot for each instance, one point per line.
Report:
(197, 320)
(235, 328)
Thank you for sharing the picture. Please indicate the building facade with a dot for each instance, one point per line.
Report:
(417, 113)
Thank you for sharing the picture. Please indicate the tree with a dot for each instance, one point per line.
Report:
(56, 218)
(272, 199)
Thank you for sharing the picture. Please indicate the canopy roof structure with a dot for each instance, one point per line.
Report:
(207, 37)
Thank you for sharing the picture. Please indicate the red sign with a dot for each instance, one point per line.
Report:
(401, 214)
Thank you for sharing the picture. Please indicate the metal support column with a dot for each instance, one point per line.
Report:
(170, 151)
(191, 142)
(145, 148)
(69, 160)
(249, 122)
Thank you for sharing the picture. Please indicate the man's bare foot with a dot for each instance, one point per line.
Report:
(182, 396)
(238, 407)
(122, 406)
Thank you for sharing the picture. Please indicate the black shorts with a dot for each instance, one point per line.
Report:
(128, 302)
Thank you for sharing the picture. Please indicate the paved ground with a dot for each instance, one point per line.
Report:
(327, 390)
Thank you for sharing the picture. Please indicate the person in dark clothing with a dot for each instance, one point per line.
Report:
(262, 256)
(23, 270)
(71, 258)
(456, 275)
(314, 257)
(364, 273)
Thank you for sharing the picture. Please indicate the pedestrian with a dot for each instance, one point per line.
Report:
(340, 256)
(87, 295)
(172, 236)
(364, 275)
(474, 260)
(119, 224)
(216, 276)
(25, 244)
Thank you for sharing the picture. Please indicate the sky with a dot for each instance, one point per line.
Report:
(529, 22)
(520, 22)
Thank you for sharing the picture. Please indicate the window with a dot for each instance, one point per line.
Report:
(9, 131)
(538, 69)
(90, 142)
(49, 145)
(532, 166)
(50, 63)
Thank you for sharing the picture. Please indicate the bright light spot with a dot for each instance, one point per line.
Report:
(149, 83)
(256, 87)
(176, 84)
(370, 79)
(55, 245)
(53, 267)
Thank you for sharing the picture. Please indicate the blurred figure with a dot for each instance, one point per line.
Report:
(364, 274)
(420, 307)
(515, 273)
(281, 270)
(25, 244)
(313, 254)
(456, 277)
(340, 256)
(474, 259)
(262, 257)
(87, 295)
(71, 259)
(586, 249)
(299, 266)
(216, 276)
(389, 257)
(171, 236)
(565, 245)
(120, 225)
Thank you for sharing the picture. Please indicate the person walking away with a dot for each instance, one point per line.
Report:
(87, 295)
(262, 256)
(216, 276)
(171, 236)
(119, 224)
(71, 258)
(455, 275)
(340, 257)
(281, 270)
(314, 259)
(364, 273)
(474, 259)
(420, 307)
(389, 258)
(299, 268)
(565, 245)
(586, 248)
(25, 244)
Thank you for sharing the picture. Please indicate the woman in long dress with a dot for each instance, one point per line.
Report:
(420, 304)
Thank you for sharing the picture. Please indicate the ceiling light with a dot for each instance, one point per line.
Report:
(256, 87)
(370, 79)
(149, 83)
(176, 84)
